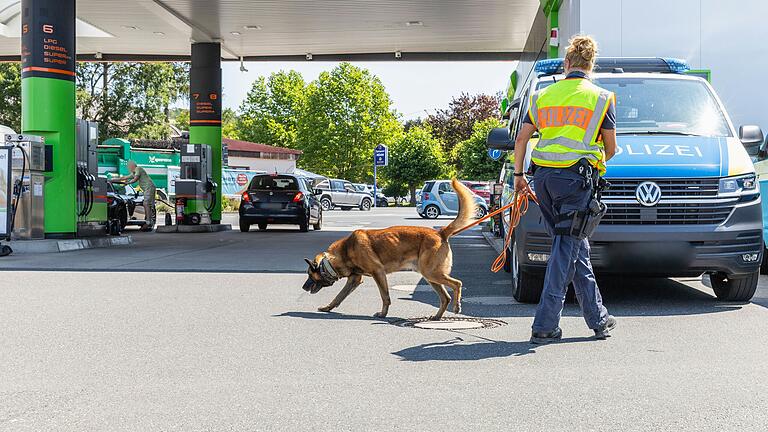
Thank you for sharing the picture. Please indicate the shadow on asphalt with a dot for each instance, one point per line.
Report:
(454, 350)
(332, 316)
(625, 297)
(760, 301)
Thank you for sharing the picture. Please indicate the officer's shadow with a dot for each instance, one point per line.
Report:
(455, 350)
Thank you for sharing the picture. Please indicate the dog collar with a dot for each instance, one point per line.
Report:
(327, 270)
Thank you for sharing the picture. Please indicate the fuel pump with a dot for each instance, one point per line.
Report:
(195, 188)
(28, 164)
(91, 189)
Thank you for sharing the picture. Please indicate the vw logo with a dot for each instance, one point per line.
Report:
(648, 194)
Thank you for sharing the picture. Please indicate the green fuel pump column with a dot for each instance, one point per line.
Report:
(48, 102)
(205, 109)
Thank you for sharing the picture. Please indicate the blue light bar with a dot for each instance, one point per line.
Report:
(676, 65)
(549, 66)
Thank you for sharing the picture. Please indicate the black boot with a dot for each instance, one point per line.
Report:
(604, 331)
(541, 338)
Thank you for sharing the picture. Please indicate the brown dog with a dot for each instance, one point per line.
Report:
(377, 252)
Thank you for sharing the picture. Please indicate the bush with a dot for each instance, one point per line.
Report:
(229, 204)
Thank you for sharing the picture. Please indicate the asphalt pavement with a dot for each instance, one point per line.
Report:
(212, 332)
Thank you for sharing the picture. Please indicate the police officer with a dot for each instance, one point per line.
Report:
(139, 175)
(576, 121)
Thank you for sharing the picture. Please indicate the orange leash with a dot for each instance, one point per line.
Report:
(517, 208)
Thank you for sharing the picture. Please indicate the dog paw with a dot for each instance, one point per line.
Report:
(325, 309)
(380, 315)
(457, 308)
(435, 318)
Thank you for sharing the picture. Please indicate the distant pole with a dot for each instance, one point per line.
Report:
(375, 194)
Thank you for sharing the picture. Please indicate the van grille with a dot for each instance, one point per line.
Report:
(672, 188)
(683, 202)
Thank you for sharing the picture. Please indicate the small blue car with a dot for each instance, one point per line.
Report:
(437, 198)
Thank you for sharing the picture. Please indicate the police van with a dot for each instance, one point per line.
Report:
(683, 199)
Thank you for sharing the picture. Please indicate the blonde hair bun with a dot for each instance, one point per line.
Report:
(582, 52)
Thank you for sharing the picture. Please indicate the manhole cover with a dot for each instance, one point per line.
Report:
(450, 323)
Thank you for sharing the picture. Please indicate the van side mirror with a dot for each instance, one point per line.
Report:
(499, 139)
(751, 135)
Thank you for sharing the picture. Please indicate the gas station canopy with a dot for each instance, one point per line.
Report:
(292, 29)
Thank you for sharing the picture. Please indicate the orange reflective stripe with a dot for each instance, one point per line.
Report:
(558, 116)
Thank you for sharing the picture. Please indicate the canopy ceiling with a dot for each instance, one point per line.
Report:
(291, 29)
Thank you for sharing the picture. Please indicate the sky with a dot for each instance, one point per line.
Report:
(416, 88)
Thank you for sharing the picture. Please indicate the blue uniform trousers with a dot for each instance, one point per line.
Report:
(559, 192)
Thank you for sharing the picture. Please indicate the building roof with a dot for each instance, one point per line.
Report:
(245, 146)
(232, 145)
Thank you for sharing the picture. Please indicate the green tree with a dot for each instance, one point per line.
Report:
(349, 113)
(414, 159)
(472, 154)
(455, 123)
(131, 99)
(10, 95)
(180, 118)
(229, 124)
(270, 112)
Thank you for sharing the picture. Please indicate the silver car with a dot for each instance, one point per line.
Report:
(343, 194)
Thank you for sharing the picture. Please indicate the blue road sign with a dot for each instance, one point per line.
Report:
(494, 154)
(381, 155)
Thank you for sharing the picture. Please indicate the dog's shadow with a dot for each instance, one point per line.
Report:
(331, 316)
(455, 350)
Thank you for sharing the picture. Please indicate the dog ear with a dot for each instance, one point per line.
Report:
(312, 265)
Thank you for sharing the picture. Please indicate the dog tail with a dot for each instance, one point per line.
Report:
(467, 209)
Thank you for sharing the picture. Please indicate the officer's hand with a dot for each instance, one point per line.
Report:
(521, 183)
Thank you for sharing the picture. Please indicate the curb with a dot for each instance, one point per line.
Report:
(207, 228)
(55, 246)
(496, 243)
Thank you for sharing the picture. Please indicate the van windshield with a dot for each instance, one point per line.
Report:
(662, 105)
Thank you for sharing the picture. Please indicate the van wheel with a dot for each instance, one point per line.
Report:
(319, 225)
(526, 286)
(738, 290)
(262, 226)
(764, 264)
(365, 205)
(244, 226)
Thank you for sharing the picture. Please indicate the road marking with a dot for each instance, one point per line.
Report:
(410, 288)
(490, 300)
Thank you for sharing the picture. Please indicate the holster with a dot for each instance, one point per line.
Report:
(584, 222)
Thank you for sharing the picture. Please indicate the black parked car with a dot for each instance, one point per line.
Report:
(125, 206)
(280, 199)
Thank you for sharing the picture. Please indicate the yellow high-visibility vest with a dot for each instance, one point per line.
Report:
(568, 115)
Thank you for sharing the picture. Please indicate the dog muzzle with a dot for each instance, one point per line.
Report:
(328, 276)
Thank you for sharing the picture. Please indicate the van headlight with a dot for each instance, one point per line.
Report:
(738, 185)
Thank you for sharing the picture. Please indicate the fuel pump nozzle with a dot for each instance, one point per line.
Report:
(210, 187)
